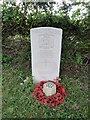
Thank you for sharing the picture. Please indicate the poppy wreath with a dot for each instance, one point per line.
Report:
(53, 100)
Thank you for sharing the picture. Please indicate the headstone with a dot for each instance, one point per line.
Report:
(46, 52)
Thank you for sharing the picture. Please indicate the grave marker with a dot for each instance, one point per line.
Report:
(46, 52)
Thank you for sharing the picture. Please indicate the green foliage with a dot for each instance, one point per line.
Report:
(41, 15)
(6, 59)
(78, 58)
(26, 55)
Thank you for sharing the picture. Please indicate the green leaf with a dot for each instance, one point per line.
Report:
(78, 57)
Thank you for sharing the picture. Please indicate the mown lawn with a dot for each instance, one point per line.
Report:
(18, 101)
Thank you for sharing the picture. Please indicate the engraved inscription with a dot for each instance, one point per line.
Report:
(46, 41)
(49, 85)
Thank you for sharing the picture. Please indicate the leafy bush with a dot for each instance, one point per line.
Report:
(6, 58)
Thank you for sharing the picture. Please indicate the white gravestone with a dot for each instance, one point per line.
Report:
(46, 52)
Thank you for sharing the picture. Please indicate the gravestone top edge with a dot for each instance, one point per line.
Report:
(54, 28)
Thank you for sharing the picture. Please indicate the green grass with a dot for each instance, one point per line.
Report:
(18, 101)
